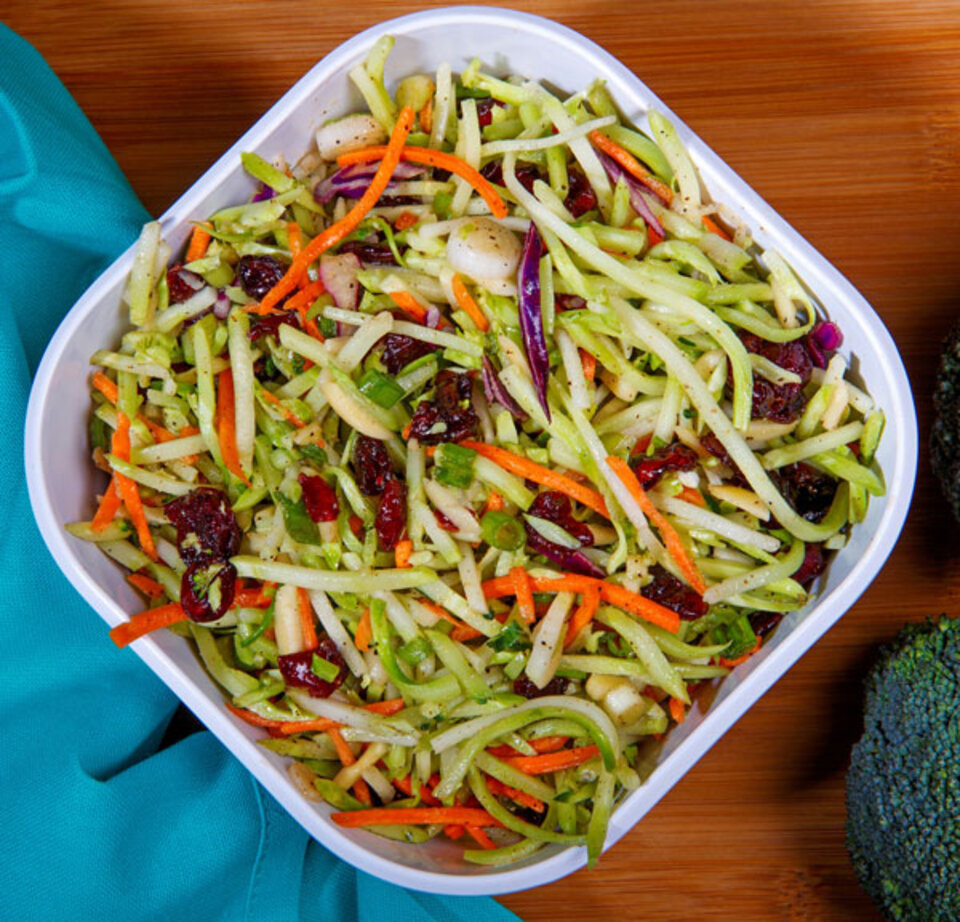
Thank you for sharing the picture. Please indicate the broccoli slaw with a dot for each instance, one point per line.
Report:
(468, 448)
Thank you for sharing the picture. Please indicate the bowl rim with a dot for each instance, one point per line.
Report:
(721, 717)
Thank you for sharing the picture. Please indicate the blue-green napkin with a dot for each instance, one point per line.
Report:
(94, 822)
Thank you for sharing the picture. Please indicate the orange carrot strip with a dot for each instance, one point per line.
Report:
(435, 158)
(732, 663)
(294, 238)
(306, 619)
(694, 496)
(108, 507)
(320, 725)
(414, 816)
(346, 756)
(405, 786)
(480, 837)
(466, 632)
(653, 237)
(149, 587)
(530, 470)
(402, 552)
(226, 427)
(128, 489)
(589, 362)
(468, 305)
(287, 413)
(494, 502)
(524, 594)
(199, 241)
(582, 616)
(518, 797)
(669, 534)
(633, 166)
(498, 587)
(405, 220)
(250, 598)
(364, 632)
(677, 710)
(714, 228)
(147, 621)
(409, 304)
(544, 744)
(351, 220)
(553, 761)
(109, 390)
(453, 832)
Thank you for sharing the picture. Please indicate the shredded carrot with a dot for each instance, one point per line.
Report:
(715, 228)
(410, 305)
(306, 619)
(544, 744)
(351, 220)
(109, 390)
(320, 725)
(286, 412)
(530, 470)
(199, 241)
(294, 238)
(633, 166)
(128, 489)
(732, 663)
(440, 160)
(147, 621)
(494, 502)
(582, 616)
(465, 631)
(251, 598)
(518, 797)
(405, 786)
(589, 362)
(653, 237)
(677, 710)
(453, 832)
(226, 427)
(691, 495)
(553, 761)
(109, 505)
(402, 552)
(405, 220)
(346, 756)
(480, 837)
(301, 303)
(629, 601)
(414, 816)
(524, 594)
(364, 632)
(149, 587)
(669, 534)
(468, 305)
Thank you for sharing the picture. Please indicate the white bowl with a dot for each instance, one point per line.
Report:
(62, 481)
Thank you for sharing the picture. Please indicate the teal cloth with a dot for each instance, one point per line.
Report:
(95, 823)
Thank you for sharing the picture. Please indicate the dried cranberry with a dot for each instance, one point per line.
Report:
(485, 110)
(781, 403)
(668, 591)
(814, 563)
(523, 686)
(399, 351)
(319, 498)
(258, 274)
(270, 325)
(182, 284)
(673, 457)
(580, 198)
(372, 465)
(391, 520)
(207, 589)
(555, 507)
(444, 522)
(371, 251)
(569, 302)
(449, 417)
(527, 174)
(206, 526)
(297, 668)
(807, 490)
(763, 622)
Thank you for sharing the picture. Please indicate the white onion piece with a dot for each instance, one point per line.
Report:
(483, 249)
(354, 132)
(338, 272)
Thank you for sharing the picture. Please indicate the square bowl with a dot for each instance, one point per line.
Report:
(61, 480)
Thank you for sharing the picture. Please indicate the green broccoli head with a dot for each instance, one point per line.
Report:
(903, 786)
(945, 435)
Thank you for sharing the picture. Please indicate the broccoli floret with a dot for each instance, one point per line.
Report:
(903, 786)
(945, 435)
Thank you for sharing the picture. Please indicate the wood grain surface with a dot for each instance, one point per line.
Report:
(845, 116)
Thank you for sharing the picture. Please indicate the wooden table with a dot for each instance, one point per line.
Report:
(845, 116)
